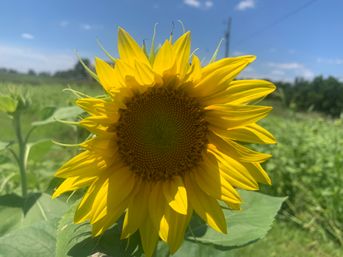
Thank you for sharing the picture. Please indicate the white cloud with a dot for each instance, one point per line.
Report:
(278, 72)
(27, 36)
(286, 71)
(287, 66)
(64, 23)
(23, 59)
(86, 26)
(245, 4)
(208, 4)
(331, 61)
(294, 69)
(199, 4)
(192, 3)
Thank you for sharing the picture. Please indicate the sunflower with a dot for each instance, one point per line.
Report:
(166, 141)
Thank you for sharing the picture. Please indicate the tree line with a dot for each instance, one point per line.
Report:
(320, 94)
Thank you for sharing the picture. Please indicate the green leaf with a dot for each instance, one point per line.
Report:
(28, 226)
(39, 207)
(61, 114)
(16, 212)
(37, 240)
(245, 226)
(7, 104)
(37, 150)
(76, 240)
(190, 249)
(11, 212)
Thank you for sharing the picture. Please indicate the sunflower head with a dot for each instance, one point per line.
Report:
(167, 141)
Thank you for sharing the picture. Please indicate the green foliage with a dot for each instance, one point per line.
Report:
(31, 226)
(322, 95)
(307, 166)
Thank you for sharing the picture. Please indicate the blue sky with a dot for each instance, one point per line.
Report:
(290, 38)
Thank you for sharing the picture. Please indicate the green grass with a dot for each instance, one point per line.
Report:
(286, 240)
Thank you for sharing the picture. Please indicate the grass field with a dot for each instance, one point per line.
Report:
(306, 166)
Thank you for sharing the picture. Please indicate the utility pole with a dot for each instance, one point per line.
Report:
(227, 37)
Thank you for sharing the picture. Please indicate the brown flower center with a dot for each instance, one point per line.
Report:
(162, 133)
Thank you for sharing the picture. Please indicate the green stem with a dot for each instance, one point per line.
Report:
(22, 153)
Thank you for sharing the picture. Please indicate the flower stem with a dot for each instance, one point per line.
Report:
(22, 153)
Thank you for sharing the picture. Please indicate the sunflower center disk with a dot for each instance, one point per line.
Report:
(162, 133)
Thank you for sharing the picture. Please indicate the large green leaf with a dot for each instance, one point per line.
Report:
(36, 240)
(28, 226)
(76, 240)
(11, 212)
(249, 224)
(40, 207)
(245, 226)
(63, 113)
(191, 249)
(16, 212)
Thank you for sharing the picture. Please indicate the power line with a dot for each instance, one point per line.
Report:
(277, 21)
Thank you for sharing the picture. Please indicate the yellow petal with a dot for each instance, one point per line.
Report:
(205, 206)
(96, 106)
(165, 60)
(246, 91)
(73, 183)
(137, 211)
(230, 116)
(252, 133)
(97, 128)
(259, 174)
(149, 237)
(106, 75)
(174, 225)
(84, 209)
(182, 50)
(157, 204)
(144, 74)
(129, 50)
(217, 76)
(234, 172)
(84, 164)
(110, 219)
(194, 72)
(114, 191)
(176, 195)
(211, 181)
(242, 92)
(236, 150)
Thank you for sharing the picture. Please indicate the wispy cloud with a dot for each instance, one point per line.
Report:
(199, 4)
(27, 36)
(286, 66)
(245, 4)
(330, 61)
(192, 3)
(208, 4)
(64, 23)
(292, 69)
(23, 59)
(87, 26)
(278, 71)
